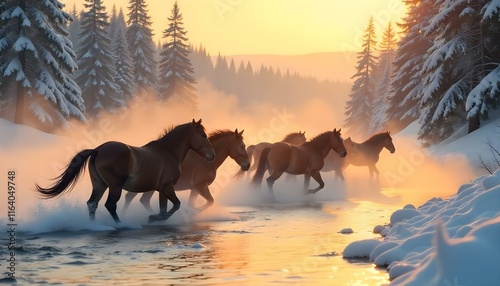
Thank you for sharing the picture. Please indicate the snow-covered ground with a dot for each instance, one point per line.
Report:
(445, 241)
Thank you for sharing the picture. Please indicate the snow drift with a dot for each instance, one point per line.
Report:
(443, 242)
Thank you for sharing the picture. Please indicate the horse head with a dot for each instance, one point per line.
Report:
(200, 143)
(337, 143)
(238, 152)
(388, 142)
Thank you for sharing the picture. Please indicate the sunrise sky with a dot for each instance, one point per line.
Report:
(284, 27)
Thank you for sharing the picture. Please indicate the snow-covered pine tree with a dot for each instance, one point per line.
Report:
(36, 61)
(384, 68)
(406, 84)
(142, 48)
(456, 64)
(96, 73)
(486, 93)
(122, 60)
(74, 27)
(176, 73)
(359, 109)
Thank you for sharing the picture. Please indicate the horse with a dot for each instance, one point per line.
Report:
(360, 154)
(197, 174)
(304, 159)
(294, 138)
(117, 166)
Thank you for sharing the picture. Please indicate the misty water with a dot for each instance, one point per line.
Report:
(293, 241)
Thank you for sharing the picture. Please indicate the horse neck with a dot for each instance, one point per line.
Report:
(221, 147)
(376, 145)
(176, 143)
(320, 144)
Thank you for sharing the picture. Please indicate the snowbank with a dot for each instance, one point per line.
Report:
(443, 242)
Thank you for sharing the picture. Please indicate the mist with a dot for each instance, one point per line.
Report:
(410, 175)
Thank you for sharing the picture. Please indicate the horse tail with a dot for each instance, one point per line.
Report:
(261, 168)
(67, 180)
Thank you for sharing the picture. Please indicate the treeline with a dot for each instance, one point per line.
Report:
(58, 65)
(263, 83)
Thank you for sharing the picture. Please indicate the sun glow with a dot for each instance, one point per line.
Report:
(271, 27)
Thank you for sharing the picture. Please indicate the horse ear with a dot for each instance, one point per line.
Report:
(199, 122)
(241, 133)
(334, 130)
(340, 130)
(193, 121)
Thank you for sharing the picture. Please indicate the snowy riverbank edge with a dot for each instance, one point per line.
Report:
(443, 242)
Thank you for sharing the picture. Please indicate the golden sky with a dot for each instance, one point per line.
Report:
(282, 27)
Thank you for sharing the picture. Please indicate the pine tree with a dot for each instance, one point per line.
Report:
(455, 65)
(384, 67)
(36, 61)
(142, 49)
(122, 60)
(74, 27)
(176, 73)
(406, 84)
(359, 110)
(96, 62)
(486, 93)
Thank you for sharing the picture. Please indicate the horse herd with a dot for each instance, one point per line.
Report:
(184, 157)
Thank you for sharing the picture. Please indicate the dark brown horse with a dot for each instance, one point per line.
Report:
(117, 166)
(197, 174)
(304, 159)
(294, 138)
(360, 154)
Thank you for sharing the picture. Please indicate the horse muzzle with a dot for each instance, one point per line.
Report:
(210, 157)
(245, 166)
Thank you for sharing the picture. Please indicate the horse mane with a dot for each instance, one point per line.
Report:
(217, 134)
(320, 137)
(291, 136)
(377, 137)
(165, 132)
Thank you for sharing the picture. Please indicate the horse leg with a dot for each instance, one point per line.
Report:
(192, 197)
(168, 194)
(95, 197)
(307, 179)
(114, 195)
(146, 200)
(205, 193)
(340, 175)
(98, 189)
(317, 177)
(270, 182)
(129, 196)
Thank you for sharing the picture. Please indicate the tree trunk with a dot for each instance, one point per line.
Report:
(474, 123)
(19, 117)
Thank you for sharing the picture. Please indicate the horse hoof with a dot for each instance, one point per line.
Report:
(154, 218)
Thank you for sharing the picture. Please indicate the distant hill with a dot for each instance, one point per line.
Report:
(329, 65)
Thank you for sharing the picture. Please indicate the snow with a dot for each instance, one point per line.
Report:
(445, 241)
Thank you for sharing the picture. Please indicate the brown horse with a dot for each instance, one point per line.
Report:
(197, 174)
(360, 154)
(117, 166)
(294, 138)
(304, 159)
